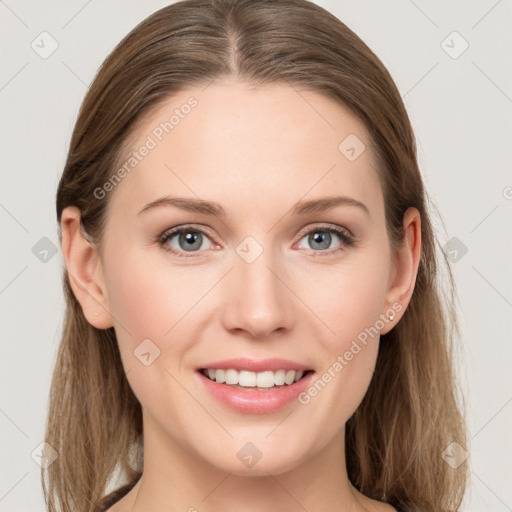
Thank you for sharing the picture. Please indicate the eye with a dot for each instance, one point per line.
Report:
(189, 239)
(184, 239)
(320, 238)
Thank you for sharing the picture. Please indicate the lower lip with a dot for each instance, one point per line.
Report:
(254, 401)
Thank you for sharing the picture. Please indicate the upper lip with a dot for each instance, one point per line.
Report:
(254, 365)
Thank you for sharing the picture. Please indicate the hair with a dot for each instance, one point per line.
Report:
(413, 409)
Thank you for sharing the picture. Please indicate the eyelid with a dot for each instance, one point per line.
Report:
(324, 225)
(192, 227)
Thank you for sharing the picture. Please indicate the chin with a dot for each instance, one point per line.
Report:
(257, 459)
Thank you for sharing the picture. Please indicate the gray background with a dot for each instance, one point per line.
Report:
(460, 106)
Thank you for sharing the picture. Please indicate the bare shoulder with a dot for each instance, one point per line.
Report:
(125, 504)
(113, 508)
(374, 505)
(117, 507)
(371, 506)
(378, 506)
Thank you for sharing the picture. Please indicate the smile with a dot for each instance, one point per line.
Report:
(255, 386)
(247, 379)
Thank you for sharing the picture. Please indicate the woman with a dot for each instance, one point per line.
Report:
(214, 357)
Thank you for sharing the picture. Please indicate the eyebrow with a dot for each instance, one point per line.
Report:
(192, 204)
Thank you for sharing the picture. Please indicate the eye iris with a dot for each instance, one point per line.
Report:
(321, 237)
(191, 238)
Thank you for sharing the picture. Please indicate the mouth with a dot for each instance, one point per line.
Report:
(266, 380)
(254, 386)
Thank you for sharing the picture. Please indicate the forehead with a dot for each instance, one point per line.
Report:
(258, 145)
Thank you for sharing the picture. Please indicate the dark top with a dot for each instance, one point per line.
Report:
(115, 496)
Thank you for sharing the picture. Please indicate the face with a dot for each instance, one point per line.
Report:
(266, 276)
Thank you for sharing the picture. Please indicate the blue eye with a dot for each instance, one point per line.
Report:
(188, 239)
(191, 240)
(321, 238)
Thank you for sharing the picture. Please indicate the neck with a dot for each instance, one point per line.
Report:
(176, 479)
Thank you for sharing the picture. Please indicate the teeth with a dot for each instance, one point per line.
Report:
(231, 377)
(245, 378)
(248, 379)
(264, 379)
(279, 377)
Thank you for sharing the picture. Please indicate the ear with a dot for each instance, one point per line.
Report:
(84, 270)
(404, 268)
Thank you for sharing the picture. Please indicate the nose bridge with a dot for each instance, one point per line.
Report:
(258, 302)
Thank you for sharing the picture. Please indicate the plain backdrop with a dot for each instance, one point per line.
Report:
(451, 62)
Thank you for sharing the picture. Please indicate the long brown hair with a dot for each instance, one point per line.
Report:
(412, 410)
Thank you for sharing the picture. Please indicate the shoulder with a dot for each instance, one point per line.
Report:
(374, 505)
(378, 506)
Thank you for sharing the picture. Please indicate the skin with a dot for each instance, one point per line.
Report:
(256, 151)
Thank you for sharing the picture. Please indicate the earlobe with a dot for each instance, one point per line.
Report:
(84, 270)
(405, 268)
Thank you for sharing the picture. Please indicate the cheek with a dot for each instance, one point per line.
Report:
(153, 307)
(348, 300)
(148, 296)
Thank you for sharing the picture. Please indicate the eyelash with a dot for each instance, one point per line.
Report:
(346, 237)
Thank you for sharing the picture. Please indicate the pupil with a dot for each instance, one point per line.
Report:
(324, 239)
(191, 239)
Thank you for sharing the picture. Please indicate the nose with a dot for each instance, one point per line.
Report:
(259, 301)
